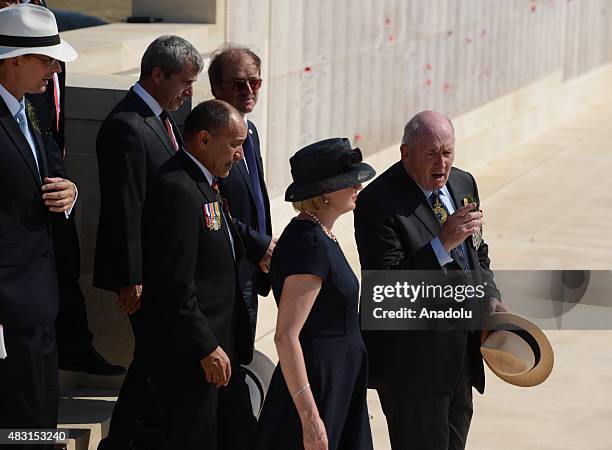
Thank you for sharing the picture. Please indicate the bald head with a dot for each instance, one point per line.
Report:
(426, 123)
(428, 149)
(214, 134)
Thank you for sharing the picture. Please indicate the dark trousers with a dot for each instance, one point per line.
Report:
(29, 381)
(189, 406)
(136, 416)
(73, 335)
(421, 423)
(237, 424)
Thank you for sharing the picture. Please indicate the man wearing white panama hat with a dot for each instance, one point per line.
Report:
(30, 48)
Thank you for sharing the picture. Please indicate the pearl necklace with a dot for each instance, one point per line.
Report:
(327, 232)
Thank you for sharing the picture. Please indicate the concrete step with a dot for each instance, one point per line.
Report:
(78, 439)
(87, 413)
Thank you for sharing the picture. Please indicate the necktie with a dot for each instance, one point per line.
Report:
(249, 155)
(56, 101)
(168, 126)
(215, 187)
(23, 126)
(442, 213)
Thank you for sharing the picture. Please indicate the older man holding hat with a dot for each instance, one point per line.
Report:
(30, 48)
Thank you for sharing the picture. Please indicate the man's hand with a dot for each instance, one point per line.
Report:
(495, 306)
(264, 264)
(459, 225)
(129, 298)
(58, 194)
(217, 367)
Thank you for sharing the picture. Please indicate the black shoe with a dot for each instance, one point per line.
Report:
(89, 361)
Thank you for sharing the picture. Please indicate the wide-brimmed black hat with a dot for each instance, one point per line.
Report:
(326, 166)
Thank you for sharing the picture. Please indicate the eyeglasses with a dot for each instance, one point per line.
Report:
(50, 61)
(241, 84)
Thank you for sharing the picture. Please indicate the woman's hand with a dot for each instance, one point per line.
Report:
(314, 434)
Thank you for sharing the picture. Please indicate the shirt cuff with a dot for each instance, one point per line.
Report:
(76, 195)
(443, 256)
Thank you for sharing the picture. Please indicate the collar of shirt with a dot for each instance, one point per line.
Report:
(204, 170)
(148, 99)
(246, 121)
(11, 102)
(443, 192)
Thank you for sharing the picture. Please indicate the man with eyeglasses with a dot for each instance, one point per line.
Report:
(235, 77)
(74, 339)
(30, 48)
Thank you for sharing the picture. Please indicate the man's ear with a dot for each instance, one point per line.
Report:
(204, 138)
(405, 151)
(157, 74)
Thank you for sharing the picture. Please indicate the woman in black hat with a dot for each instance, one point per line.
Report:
(317, 396)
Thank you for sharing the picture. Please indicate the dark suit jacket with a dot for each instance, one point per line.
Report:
(132, 145)
(190, 275)
(241, 200)
(28, 277)
(65, 237)
(394, 225)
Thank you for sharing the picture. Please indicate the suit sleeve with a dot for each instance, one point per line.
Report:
(122, 164)
(255, 243)
(378, 237)
(175, 226)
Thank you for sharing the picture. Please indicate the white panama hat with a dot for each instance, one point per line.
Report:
(516, 350)
(29, 29)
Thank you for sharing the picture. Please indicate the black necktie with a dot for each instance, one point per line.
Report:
(442, 213)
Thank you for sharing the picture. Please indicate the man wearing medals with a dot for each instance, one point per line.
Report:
(418, 215)
(194, 308)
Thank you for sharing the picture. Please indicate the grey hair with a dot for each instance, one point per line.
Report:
(171, 54)
(415, 125)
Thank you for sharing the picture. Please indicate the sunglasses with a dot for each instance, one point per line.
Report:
(241, 84)
(50, 61)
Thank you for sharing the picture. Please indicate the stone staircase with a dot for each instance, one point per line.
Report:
(84, 411)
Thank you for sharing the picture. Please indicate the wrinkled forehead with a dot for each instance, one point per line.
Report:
(436, 135)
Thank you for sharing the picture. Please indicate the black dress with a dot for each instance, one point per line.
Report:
(334, 353)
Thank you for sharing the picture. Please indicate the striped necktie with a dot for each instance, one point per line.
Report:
(441, 212)
(168, 126)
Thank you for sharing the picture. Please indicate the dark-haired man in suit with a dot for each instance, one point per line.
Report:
(193, 306)
(412, 217)
(235, 77)
(136, 138)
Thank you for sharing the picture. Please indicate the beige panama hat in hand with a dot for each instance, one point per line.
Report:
(29, 29)
(516, 350)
